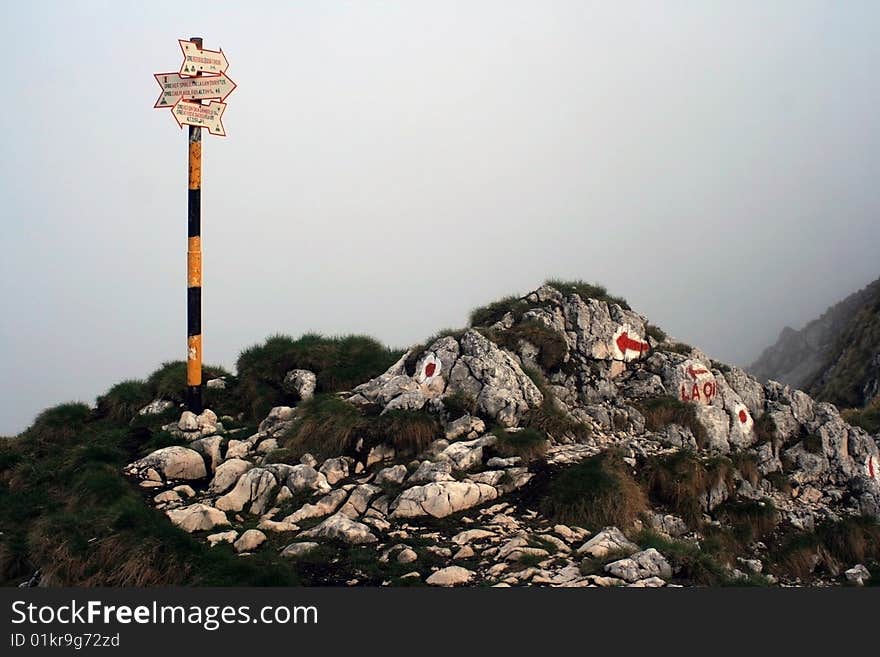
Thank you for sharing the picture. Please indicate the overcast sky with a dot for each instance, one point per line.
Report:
(389, 166)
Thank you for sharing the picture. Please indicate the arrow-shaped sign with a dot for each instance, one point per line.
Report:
(694, 373)
(199, 60)
(175, 87)
(626, 343)
(204, 116)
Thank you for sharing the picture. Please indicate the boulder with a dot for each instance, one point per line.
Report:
(325, 506)
(222, 537)
(297, 550)
(301, 383)
(335, 469)
(607, 541)
(342, 528)
(175, 462)
(255, 487)
(393, 475)
(451, 576)
(156, 407)
(641, 565)
(249, 541)
(227, 474)
(188, 421)
(440, 499)
(197, 517)
(305, 477)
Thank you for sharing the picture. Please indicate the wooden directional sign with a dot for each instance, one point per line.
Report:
(200, 60)
(208, 87)
(203, 116)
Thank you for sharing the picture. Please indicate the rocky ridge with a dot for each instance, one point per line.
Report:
(464, 511)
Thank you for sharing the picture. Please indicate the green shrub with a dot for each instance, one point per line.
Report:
(676, 348)
(663, 410)
(495, 311)
(749, 519)
(59, 423)
(169, 381)
(528, 444)
(597, 492)
(340, 363)
(678, 480)
(655, 332)
(550, 343)
(329, 426)
(124, 400)
(867, 418)
(586, 291)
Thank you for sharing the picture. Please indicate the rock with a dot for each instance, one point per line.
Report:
(326, 505)
(430, 471)
(188, 421)
(335, 469)
(407, 555)
(451, 576)
(469, 535)
(222, 537)
(607, 541)
(301, 383)
(379, 453)
(249, 541)
(156, 407)
(497, 462)
(393, 475)
(641, 565)
(237, 449)
(279, 418)
(667, 524)
(280, 527)
(857, 575)
(309, 460)
(266, 446)
(255, 487)
(297, 550)
(649, 583)
(716, 422)
(305, 477)
(197, 517)
(216, 384)
(166, 497)
(359, 500)
(440, 499)
(283, 495)
(207, 418)
(209, 448)
(465, 552)
(467, 426)
(227, 474)
(175, 462)
(463, 456)
(343, 528)
(184, 490)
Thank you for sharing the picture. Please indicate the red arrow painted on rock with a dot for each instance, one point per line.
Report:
(694, 373)
(626, 343)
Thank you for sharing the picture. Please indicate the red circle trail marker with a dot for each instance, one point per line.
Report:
(743, 416)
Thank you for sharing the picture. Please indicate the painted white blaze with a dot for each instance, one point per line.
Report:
(430, 368)
(743, 418)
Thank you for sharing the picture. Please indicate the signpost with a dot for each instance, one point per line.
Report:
(202, 76)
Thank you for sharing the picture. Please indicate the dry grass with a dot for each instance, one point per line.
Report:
(597, 492)
(551, 344)
(528, 444)
(329, 426)
(663, 410)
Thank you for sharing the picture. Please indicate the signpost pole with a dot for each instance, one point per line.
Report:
(194, 269)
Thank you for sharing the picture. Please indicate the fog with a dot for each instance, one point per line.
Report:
(390, 166)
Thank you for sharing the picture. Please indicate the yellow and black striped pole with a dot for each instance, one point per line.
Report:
(194, 270)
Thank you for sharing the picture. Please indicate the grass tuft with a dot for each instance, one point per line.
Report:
(663, 410)
(597, 492)
(529, 444)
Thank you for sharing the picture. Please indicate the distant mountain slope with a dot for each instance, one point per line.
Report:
(834, 358)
